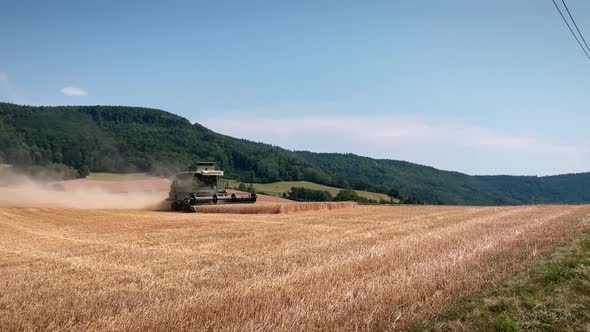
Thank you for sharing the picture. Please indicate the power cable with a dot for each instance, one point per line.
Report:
(575, 25)
(572, 31)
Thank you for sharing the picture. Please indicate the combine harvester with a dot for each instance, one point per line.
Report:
(200, 186)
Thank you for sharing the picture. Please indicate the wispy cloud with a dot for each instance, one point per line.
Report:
(73, 91)
(470, 149)
(9, 92)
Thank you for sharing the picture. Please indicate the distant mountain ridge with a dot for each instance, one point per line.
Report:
(446, 187)
(122, 139)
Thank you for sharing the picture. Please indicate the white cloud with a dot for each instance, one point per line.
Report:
(469, 149)
(73, 91)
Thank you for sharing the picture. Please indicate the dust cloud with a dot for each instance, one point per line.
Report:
(17, 190)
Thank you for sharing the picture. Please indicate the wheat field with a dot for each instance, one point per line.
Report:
(367, 268)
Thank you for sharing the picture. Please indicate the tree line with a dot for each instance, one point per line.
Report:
(302, 194)
(123, 139)
(134, 139)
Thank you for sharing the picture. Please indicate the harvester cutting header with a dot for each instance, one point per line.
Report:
(200, 186)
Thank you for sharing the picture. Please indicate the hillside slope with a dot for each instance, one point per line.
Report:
(134, 139)
(444, 187)
(283, 187)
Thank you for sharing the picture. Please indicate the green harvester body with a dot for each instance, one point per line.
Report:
(200, 186)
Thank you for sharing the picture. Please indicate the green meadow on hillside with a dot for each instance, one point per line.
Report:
(278, 188)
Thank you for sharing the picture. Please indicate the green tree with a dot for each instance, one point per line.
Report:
(347, 195)
(411, 200)
(84, 171)
(302, 194)
(394, 193)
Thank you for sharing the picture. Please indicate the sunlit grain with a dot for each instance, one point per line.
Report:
(363, 268)
(274, 208)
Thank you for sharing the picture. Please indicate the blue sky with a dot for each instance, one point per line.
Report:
(495, 87)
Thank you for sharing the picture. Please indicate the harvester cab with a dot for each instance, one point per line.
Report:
(200, 186)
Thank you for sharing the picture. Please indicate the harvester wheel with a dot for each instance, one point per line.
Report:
(187, 205)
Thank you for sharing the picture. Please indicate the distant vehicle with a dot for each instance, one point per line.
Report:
(200, 186)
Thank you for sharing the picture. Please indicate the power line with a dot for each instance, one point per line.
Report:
(575, 25)
(572, 31)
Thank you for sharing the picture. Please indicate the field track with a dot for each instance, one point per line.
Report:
(362, 268)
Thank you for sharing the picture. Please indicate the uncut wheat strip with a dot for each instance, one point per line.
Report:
(275, 208)
(241, 209)
(315, 206)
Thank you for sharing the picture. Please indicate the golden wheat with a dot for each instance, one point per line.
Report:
(366, 268)
(274, 208)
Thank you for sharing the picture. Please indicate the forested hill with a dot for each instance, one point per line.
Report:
(124, 139)
(133, 139)
(443, 187)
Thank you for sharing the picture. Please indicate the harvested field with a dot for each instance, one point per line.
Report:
(365, 268)
(274, 208)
